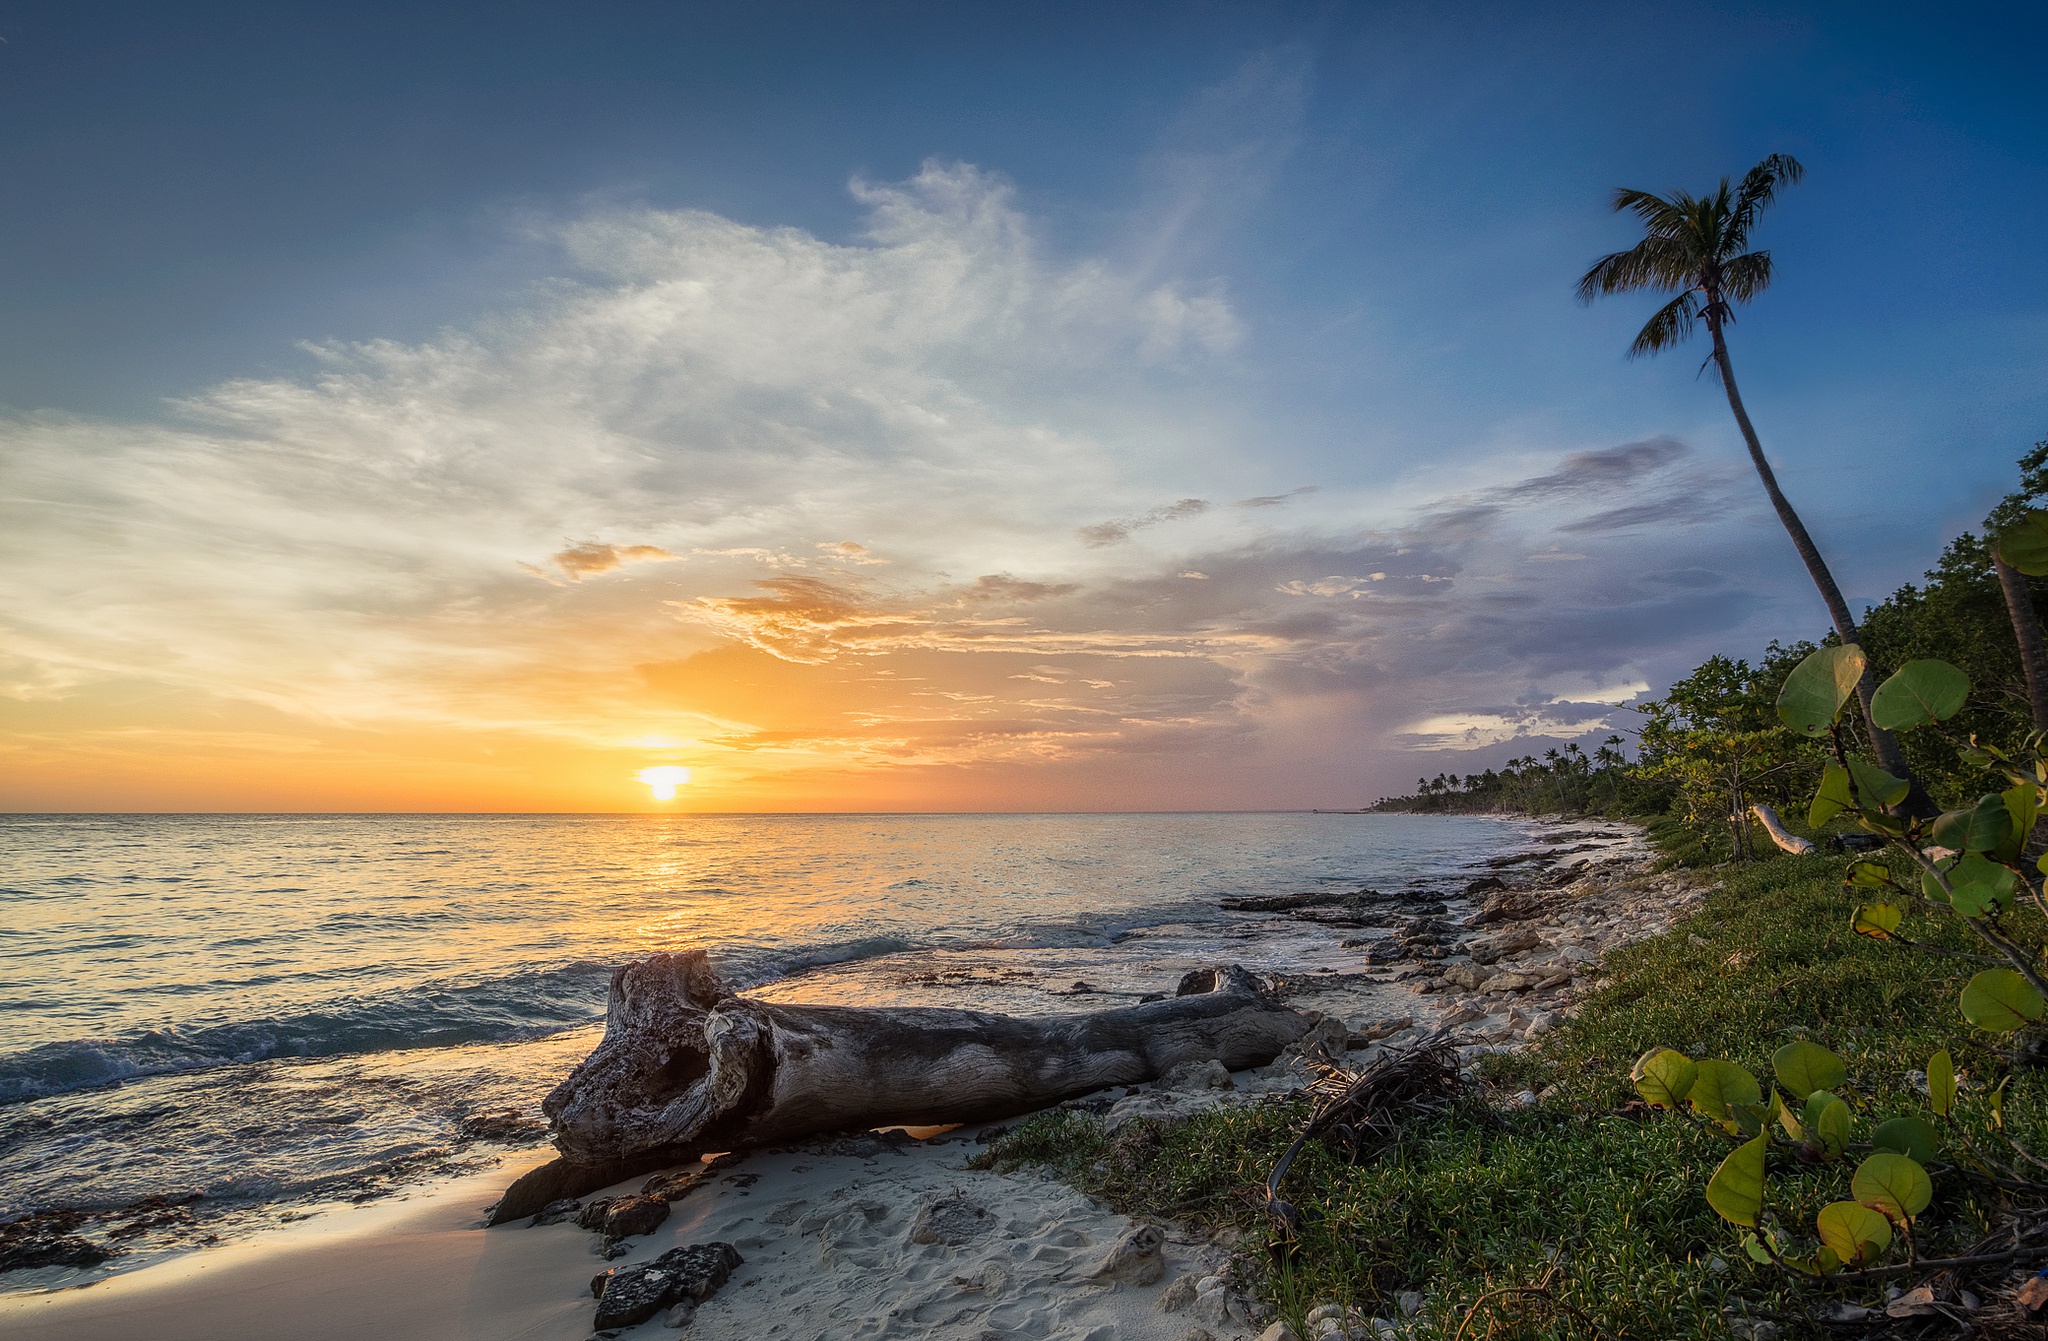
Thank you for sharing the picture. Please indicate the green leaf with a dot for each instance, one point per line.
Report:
(1663, 1076)
(1832, 1129)
(1833, 797)
(1805, 1067)
(1818, 687)
(1918, 693)
(1980, 886)
(1913, 1136)
(1941, 1083)
(2024, 544)
(2023, 806)
(1876, 787)
(1870, 875)
(1719, 1084)
(1856, 1233)
(1999, 1001)
(1931, 887)
(1736, 1191)
(1893, 1184)
(1979, 829)
(1876, 920)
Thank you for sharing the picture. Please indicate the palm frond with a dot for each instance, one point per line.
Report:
(1661, 217)
(1744, 277)
(1653, 263)
(1760, 187)
(1672, 325)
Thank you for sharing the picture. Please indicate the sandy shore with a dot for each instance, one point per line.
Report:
(830, 1234)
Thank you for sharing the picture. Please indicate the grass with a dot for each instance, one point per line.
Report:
(1603, 1208)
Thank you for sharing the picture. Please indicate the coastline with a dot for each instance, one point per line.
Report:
(825, 1229)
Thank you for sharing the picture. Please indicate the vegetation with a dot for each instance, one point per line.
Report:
(1587, 1194)
(1568, 781)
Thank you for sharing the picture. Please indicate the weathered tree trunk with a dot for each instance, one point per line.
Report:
(686, 1068)
(2026, 629)
(1882, 742)
(1775, 827)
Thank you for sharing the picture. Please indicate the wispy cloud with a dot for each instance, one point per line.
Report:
(729, 403)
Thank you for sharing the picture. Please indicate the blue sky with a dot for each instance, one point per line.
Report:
(1343, 239)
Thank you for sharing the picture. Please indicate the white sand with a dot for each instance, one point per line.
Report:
(826, 1241)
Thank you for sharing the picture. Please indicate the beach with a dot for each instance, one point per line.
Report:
(835, 1235)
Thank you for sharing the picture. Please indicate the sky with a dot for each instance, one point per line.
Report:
(941, 407)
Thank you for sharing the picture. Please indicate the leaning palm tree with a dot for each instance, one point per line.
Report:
(1697, 247)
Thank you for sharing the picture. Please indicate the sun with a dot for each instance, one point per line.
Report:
(664, 780)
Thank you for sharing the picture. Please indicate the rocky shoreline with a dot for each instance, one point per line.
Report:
(885, 1235)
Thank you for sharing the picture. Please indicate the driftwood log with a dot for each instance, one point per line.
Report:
(1775, 827)
(686, 1068)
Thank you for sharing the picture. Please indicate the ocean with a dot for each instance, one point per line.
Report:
(213, 1023)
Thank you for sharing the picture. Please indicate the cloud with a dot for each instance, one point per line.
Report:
(351, 552)
(592, 557)
(1104, 534)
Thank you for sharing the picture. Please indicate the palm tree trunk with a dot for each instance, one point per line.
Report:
(1882, 742)
(2026, 627)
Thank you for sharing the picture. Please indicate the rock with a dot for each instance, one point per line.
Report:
(628, 1296)
(1462, 1015)
(556, 1211)
(1325, 1042)
(1467, 976)
(628, 1216)
(1198, 1334)
(1409, 1302)
(676, 1186)
(1373, 1033)
(951, 1220)
(1178, 1295)
(1279, 1331)
(28, 1244)
(1136, 1260)
(592, 1215)
(1325, 1313)
(1208, 1075)
(680, 1315)
(1488, 949)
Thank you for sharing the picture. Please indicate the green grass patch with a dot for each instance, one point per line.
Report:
(1586, 1189)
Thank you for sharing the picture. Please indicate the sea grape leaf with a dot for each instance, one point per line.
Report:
(2001, 1000)
(1941, 1083)
(1663, 1076)
(2023, 806)
(1804, 1067)
(1816, 1104)
(1875, 786)
(1913, 1136)
(1979, 886)
(1832, 1128)
(1833, 797)
(1892, 1183)
(2024, 544)
(1979, 829)
(1818, 687)
(1717, 1085)
(1869, 875)
(1931, 887)
(1854, 1231)
(1876, 920)
(1736, 1191)
(1917, 693)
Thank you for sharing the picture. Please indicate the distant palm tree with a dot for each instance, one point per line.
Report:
(1697, 247)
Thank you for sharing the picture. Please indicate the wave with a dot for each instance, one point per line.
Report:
(516, 1006)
